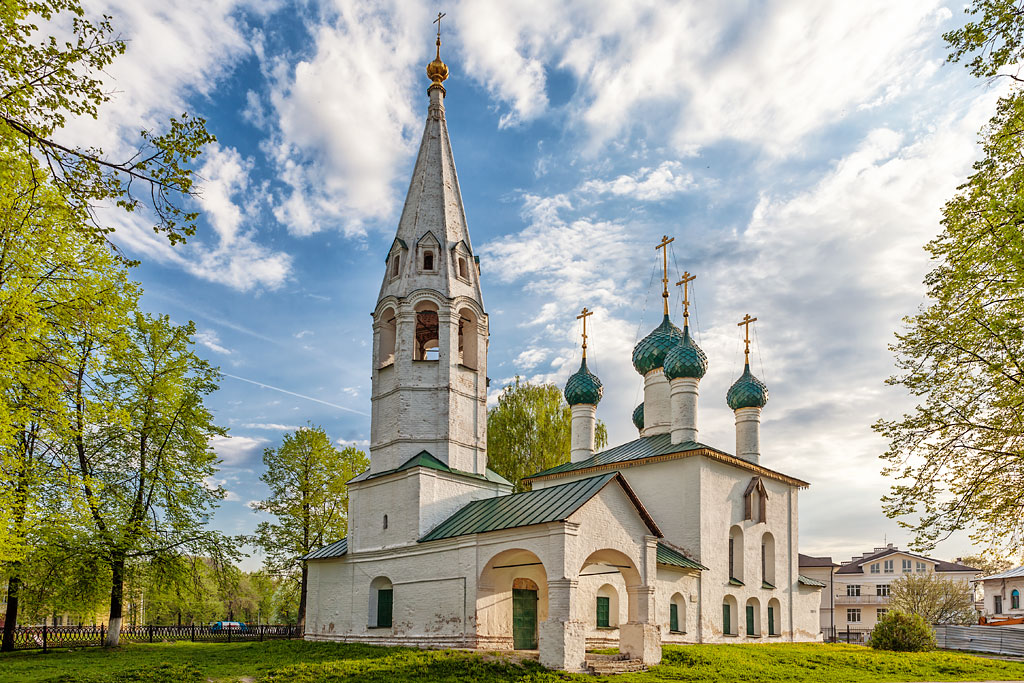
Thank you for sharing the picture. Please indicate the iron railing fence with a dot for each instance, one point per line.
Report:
(835, 634)
(49, 637)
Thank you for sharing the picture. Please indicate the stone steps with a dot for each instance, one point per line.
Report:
(613, 664)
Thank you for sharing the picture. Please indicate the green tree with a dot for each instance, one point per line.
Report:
(901, 632)
(936, 599)
(958, 457)
(987, 564)
(139, 458)
(531, 430)
(45, 81)
(308, 499)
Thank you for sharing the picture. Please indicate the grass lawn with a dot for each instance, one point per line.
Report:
(283, 661)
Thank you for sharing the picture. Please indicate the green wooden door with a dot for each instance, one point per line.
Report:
(385, 599)
(603, 609)
(771, 620)
(673, 617)
(750, 620)
(524, 619)
(726, 621)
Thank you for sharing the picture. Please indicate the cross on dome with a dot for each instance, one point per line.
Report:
(583, 316)
(663, 245)
(685, 282)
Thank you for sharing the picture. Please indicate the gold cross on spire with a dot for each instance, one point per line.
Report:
(747, 320)
(665, 241)
(583, 315)
(440, 16)
(685, 282)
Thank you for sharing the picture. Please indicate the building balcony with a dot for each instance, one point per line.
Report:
(845, 599)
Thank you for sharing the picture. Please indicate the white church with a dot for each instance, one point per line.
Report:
(660, 540)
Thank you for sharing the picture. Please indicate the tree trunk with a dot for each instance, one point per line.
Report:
(116, 603)
(11, 617)
(301, 618)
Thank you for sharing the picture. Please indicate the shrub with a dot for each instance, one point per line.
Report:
(902, 633)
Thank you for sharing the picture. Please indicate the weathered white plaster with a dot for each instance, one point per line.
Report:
(582, 434)
(657, 403)
(684, 409)
(748, 434)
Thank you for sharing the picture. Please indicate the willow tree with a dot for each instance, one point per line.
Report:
(530, 430)
(958, 457)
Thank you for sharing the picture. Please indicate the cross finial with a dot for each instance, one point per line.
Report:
(440, 15)
(747, 320)
(685, 282)
(663, 245)
(583, 315)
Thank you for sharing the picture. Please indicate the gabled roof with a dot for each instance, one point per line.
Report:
(857, 566)
(652, 449)
(552, 504)
(673, 557)
(808, 581)
(1008, 574)
(336, 549)
(425, 459)
(810, 561)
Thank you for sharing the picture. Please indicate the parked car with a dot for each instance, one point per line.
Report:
(219, 626)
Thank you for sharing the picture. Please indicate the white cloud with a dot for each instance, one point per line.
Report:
(272, 426)
(647, 184)
(235, 451)
(302, 333)
(210, 340)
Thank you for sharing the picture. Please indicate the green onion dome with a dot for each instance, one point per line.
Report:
(583, 387)
(638, 417)
(686, 359)
(747, 392)
(649, 354)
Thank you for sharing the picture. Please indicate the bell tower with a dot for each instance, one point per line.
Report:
(429, 326)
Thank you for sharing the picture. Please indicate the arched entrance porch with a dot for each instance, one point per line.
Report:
(512, 600)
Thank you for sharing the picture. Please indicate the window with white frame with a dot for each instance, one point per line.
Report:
(921, 567)
(906, 566)
(881, 613)
(882, 590)
(853, 590)
(876, 568)
(853, 615)
(888, 567)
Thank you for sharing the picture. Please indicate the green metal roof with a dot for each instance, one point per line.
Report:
(638, 417)
(336, 549)
(425, 459)
(644, 447)
(669, 555)
(649, 353)
(685, 359)
(552, 504)
(808, 581)
(735, 582)
(583, 387)
(747, 392)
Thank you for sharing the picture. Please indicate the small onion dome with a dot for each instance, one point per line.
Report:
(747, 392)
(583, 387)
(649, 354)
(437, 71)
(686, 359)
(638, 417)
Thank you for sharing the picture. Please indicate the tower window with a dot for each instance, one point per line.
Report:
(395, 264)
(463, 268)
(385, 521)
(386, 344)
(428, 260)
(425, 345)
(468, 339)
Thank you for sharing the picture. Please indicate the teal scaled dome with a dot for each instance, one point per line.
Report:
(686, 359)
(649, 354)
(638, 417)
(747, 392)
(583, 387)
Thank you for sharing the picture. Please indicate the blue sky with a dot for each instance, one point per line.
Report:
(799, 152)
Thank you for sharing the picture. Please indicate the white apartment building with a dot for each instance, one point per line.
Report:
(861, 586)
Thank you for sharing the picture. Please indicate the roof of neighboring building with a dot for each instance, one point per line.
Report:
(1008, 574)
(659, 446)
(808, 581)
(336, 549)
(811, 561)
(672, 556)
(425, 459)
(856, 566)
(552, 504)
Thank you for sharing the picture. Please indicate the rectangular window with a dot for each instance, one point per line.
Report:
(882, 612)
(726, 620)
(732, 549)
(750, 620)
(385, 600)
(603, 608)
(998, 604)
(882, 590)
(771, 620)
(853, 615)
(875, 568)
(888, 567)
(673, 618)
(921, 568)
(853, 590)
(906, 566)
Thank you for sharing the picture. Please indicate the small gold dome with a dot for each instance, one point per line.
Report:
(437, 71)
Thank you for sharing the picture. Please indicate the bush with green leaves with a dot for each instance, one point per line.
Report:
(902, 632)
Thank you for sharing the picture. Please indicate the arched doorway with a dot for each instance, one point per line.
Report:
(512, 600)
(609, 569)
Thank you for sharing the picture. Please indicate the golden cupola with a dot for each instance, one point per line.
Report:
(437, 71)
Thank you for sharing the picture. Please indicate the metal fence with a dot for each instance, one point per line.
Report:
(857, 636)
(1003, 640)
(49, 637)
